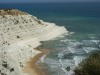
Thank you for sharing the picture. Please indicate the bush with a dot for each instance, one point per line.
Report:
(90, 66)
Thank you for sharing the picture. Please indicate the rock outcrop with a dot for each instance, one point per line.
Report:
(20, 33)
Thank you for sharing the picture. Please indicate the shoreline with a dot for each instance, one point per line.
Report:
(20, 36)
(31, 67)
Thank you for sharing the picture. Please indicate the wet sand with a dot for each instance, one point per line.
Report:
(31, 67)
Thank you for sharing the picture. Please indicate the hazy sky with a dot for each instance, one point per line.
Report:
(2, 1)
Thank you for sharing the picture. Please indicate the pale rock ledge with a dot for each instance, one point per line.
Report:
(20, 33)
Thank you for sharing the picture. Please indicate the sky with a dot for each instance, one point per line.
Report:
(12, 1)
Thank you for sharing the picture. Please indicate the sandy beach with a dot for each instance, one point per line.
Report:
(31, 67)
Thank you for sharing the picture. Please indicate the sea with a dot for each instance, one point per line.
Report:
(82, 19)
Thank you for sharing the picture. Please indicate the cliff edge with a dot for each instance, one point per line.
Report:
(14, 12)
(20, 34)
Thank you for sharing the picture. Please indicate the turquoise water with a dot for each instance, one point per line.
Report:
(70, 50)
(67, 50)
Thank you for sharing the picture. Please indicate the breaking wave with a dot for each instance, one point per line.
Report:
(68, 54)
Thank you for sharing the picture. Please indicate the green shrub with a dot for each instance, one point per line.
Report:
(89, 66)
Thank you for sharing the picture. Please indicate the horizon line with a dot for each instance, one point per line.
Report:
(52, 2)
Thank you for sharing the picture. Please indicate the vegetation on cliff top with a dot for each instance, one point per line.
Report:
(11, 12)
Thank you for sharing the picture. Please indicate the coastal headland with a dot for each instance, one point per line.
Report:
(20, 35)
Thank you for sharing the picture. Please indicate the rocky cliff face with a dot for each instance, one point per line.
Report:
(20, 33)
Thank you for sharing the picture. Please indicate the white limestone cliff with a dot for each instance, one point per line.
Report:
(19, 35)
